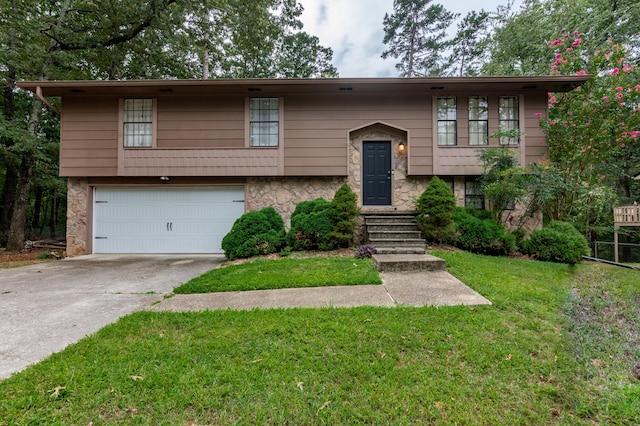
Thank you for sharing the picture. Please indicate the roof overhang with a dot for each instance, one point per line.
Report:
(265, 87)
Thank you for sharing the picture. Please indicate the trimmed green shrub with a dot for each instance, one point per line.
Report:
(311, 226)
(485, 236)
(477, 213)
(557, 242)
(342, 213)
(255, 233)
(519, 235)
(436, 206)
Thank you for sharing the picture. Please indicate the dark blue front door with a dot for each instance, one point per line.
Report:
(376, 174)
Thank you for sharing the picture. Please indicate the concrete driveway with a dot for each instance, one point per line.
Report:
(45, 307)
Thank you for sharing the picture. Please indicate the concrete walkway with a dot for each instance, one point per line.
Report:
(437, 288)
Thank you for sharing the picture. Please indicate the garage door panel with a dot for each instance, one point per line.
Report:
(159, 220)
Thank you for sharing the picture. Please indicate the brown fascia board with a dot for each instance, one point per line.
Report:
(263, 87)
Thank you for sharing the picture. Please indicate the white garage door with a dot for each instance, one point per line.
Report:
(164, 220)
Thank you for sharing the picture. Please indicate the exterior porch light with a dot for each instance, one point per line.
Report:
(164, 178)
(402, 147)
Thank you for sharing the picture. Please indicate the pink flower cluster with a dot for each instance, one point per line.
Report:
(634, 134)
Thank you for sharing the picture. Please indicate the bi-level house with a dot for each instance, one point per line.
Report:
(166, 166)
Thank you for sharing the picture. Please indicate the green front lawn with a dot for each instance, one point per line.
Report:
(558, 346)
(263, 274)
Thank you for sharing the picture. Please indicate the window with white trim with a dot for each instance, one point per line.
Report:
(447, 121)
(509, 113)
(138, 123)
(264, 121)
(478, 120)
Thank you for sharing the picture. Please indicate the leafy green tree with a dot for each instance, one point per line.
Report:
(416, 33)
(502, 182)
(594, 131)
(76, 39)
(517, 45)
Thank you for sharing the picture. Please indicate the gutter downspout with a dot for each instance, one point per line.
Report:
(45, 101)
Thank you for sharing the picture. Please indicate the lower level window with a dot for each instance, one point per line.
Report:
(473, 196)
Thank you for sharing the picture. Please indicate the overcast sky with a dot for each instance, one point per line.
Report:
(353, 29)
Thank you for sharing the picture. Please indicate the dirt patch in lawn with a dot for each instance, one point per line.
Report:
(12, 259)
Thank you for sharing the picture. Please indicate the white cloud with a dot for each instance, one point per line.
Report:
(353, 29)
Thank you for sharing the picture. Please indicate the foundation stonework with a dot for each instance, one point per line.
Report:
(284, 193)
(77, 208)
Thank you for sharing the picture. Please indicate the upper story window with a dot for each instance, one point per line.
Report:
(447, 121)
(264, 121)
(509, 113)
(138, 123)
(478, 120)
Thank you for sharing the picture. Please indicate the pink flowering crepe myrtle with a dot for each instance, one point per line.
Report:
(598, 122)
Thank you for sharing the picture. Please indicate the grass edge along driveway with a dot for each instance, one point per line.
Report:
(556, 347)
(263, 274)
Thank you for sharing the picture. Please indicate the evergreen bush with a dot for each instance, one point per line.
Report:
(342, 213)
(557, 242)
(485, 236)
(435, 207)
(311, 226)
(255, 233)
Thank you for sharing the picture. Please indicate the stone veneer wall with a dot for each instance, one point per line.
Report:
(284, 193)
(77, 207)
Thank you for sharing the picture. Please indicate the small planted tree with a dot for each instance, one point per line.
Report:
(436, 207)
(255, 233)
(342, 213)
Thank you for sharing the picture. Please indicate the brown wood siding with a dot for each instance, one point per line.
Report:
(89, 136)
(200, 162)
(201, 122)
(463, 159)
(206, 135)
(536, 148)
(316, 129)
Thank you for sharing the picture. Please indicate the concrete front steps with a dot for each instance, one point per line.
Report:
(393, 233)
(408, 263)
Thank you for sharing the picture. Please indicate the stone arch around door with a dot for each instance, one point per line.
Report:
(404, 188)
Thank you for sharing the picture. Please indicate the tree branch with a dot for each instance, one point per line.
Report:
(122, 37)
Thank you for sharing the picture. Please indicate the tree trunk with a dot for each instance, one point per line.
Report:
(7, 200)
(16, 236)
(53, 218)
(11, 174)
(37, 206)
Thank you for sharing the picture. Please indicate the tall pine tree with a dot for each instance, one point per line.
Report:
(416, 33)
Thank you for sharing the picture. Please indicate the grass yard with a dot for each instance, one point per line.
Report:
(560, 345)
(263, 274)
